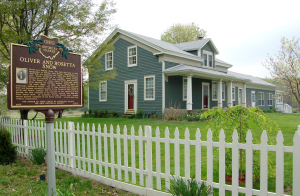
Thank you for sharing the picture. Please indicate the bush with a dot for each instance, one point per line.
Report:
(140, 114)
(113, 113)
(37, 156)
(90, 112)
(101, 113)
(132, 116)
(189, 188)
(8, 152)
(95, 112)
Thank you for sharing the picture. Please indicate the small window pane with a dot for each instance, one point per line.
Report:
(205, 59)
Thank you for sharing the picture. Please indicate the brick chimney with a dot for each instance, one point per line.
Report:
(199, 38)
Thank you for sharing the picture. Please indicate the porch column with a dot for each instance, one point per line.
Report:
(219, 93)
(229, 94)
(189, 96)
(244, 102)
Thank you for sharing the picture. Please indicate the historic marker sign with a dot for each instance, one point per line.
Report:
(44, 74)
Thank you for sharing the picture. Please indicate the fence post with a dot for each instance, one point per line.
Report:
(149, 182)
(25, 123)
(71, 137)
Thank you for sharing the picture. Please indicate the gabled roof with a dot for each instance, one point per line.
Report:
(223, 63)
(162, 46)
(198, 44)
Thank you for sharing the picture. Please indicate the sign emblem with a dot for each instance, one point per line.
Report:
(49, 48)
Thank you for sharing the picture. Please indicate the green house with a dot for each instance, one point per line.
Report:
(154, 75)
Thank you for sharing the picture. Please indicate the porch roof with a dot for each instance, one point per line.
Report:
(215, 75)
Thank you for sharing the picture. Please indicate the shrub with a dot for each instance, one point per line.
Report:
(95, 112)
(189, 188)
(140, 114)
(37, 156)
(113, 113)
(90, 112)
(101, 113)
(132, 116)
(8, 152)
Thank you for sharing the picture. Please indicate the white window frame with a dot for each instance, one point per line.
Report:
(261, 99)
(183, 89)
(208, 53)
(100, 91)
(279, 98)
(145, 95)
(112, 60)
(212, 91)
(223, 91)
(233, 93)
(128, 57)
(270, 99)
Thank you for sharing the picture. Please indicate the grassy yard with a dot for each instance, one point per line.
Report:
(22, 178)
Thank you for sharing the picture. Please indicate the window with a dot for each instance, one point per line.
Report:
(109, 60)
(132, 56)
(214, 91)
(208, 58)
(279, 98)
(270, 99)
(261, 99)
(184, 89)
(240, 96)
(223, 91)
(149, 87)
(233, 93)
(205, 59)
(103, 91)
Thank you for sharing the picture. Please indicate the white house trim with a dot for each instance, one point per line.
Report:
(189, 95)
(112, 60)
(136, 56)
(244, 100)
(134, 82)
(145, 93)
(229, 94)
(219, 93)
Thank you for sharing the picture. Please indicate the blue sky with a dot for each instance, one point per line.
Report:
(244, 32)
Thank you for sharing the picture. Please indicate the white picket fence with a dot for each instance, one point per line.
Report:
(92, 154)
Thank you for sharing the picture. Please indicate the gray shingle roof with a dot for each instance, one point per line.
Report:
(209, 72)
(162, 44)
(192, 45)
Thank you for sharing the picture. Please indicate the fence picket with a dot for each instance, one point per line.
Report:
(264, 164)
(187, 154)
(249, 163)
(198, 155)
(112, 152)
(209, 158)
(235, 163)
(83, 147)
(177, 153)
(279, 164)
(296, 161)
(105, 151)
(148, 156)
(71, 144)
(60, 142)
(100, 149)
(133, 155)
(141, 156)
(119, 153)
(158, 160)
(167, 158)
(94, 148)
(88, 145)
(65, 144)
(222, 163)
(125, 154)
(78, 147)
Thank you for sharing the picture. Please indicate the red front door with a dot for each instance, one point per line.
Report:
(130, 96)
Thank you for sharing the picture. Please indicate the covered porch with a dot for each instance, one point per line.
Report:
(202, 88)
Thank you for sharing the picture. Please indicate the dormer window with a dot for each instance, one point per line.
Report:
(208, 58)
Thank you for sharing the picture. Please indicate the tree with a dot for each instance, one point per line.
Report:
(71, 21)
(179, 33)
(242, 119)
(286, 65)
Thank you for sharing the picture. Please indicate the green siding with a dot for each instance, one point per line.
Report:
(194, 52)
(170, 64)
(147, 64)
(266, 92)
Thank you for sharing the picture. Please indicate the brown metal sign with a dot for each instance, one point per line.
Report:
(44, 74)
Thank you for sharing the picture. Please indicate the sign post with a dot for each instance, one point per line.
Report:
(45, 76)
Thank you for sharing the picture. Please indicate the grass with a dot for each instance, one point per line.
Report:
(22, 178)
